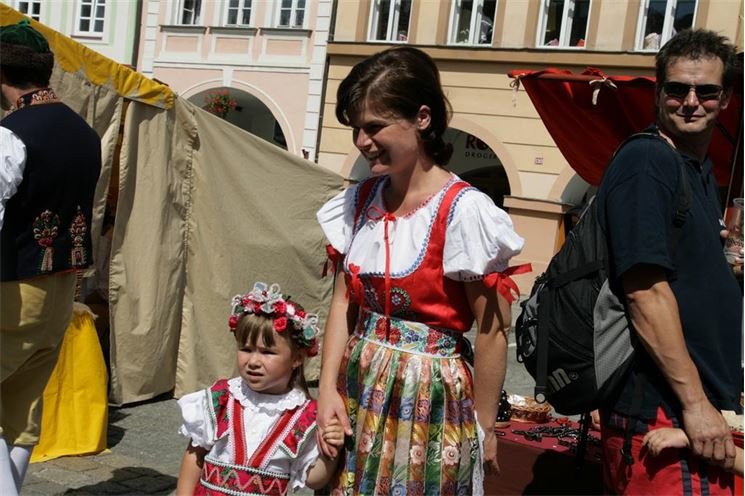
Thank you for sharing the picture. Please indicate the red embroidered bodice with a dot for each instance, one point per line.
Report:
(421, 293)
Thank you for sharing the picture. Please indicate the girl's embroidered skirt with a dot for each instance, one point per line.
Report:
(409, 396)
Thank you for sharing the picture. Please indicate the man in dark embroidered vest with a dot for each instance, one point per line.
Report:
(50, 160)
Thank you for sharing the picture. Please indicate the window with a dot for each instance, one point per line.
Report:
(31, 8)
(473, 21)
(189, 12)
(563, 23)
(390, 20)
(91, 15)
(659, 20)
(239, 13)
(291, 13)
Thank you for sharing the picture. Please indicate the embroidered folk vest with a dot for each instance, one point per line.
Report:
(423, 293)
(47, 224)
(250, 475)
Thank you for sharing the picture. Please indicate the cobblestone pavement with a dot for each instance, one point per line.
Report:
(144, 449)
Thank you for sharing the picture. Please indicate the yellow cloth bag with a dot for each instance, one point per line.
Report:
(75, 411)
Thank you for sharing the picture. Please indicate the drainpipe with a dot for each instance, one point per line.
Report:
(332, 29)
(138, 30)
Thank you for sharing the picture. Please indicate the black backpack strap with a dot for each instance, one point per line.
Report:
(579, 461)
(683, 196)
(637, 398)
(541, 346)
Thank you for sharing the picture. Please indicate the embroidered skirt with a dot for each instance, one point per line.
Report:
(409, 396)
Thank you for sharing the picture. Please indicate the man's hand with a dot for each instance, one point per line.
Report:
(710, 436)
(738, 262)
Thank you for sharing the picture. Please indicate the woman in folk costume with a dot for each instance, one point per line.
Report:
(422, 253)
(254, 434)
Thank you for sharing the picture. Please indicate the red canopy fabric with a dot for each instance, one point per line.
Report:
(588, 134)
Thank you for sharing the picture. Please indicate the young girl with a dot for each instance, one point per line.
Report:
(254, 434)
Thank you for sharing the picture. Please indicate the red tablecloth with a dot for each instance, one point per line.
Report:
(542, 467)
(546, 467)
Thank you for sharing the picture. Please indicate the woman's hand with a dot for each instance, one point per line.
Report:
(331, 411)
(491, 465)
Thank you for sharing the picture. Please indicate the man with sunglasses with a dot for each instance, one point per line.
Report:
(682, 298)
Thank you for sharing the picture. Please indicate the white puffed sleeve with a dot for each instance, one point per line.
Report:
(480, 238)
(307, 456)
(12, 164)
(195, 414)
(336, 218)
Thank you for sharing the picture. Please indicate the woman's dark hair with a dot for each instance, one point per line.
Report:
(253, 329)
(696, 44)
(398, 81)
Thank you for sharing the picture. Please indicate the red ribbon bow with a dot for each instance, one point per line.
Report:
(354, 287)
(504, 283)
(333, 258)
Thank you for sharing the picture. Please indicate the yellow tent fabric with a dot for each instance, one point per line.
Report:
(75, 412)
(73, 57)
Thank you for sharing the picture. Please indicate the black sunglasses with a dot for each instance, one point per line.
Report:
(679, 91)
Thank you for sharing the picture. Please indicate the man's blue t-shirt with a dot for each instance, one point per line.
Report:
(636, 203)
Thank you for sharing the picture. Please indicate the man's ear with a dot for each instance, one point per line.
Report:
(726, 97)
(423, 118)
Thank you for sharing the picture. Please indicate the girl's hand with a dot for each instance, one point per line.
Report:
(334, 434)
(668, 437)
(331, 411)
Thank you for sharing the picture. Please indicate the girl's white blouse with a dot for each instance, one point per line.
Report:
(261, 412)
(479, 239)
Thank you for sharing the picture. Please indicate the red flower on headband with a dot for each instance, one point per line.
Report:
(301, 314)
(245, 301)
(233, 321)
(280, 307)
(280, 324)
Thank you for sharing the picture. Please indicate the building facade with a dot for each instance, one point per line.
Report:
(267, 56)
(109, 28)
(501, 144)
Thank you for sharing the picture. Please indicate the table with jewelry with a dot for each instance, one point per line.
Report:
(541, 459)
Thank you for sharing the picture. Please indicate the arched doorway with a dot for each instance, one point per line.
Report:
(249, 114)
(473, 160)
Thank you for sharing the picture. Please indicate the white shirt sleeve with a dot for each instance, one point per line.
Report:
(336, 218)
(196, 422)
(12, 165)
(480, 239)
(307, 455)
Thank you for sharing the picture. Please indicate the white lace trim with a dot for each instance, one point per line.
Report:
(267, 403)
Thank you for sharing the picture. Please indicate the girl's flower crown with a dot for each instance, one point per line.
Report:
(268, 301)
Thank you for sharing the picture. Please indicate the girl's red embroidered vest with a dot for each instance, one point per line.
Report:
(249, 475)
(421, 293)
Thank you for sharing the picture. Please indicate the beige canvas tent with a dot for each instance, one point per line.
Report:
(204, 210)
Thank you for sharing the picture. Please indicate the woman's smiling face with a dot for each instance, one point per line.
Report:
(389, 143)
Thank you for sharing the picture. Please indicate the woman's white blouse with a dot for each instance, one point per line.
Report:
(261, 412)
(479, 239)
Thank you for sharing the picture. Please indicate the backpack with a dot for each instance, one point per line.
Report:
(572, 334)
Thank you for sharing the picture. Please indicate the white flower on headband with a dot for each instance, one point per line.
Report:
(268, 301)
